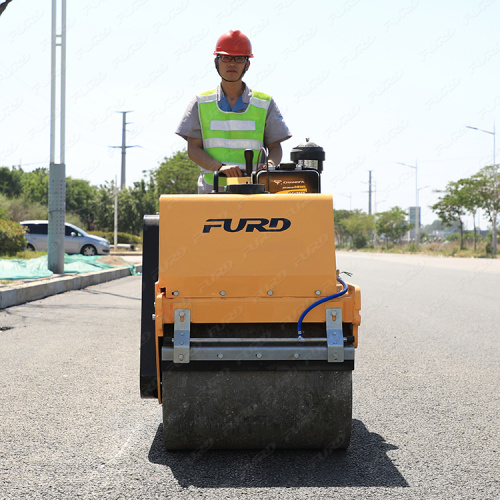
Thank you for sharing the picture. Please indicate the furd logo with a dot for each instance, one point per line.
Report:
(276, 224)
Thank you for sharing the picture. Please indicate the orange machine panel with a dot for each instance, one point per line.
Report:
(223, 245)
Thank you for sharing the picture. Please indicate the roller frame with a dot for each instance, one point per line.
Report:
(184, 349)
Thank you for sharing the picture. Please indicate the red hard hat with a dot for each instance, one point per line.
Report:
(234, 43)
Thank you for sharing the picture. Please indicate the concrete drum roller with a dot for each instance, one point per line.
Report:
(248, 333)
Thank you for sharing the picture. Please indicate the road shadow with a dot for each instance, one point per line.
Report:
(365, 463)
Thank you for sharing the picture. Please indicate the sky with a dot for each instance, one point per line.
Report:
(376, 84)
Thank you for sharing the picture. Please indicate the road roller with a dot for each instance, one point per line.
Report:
(248, 329)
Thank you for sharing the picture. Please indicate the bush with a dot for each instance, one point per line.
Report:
(18, 209)
(12, 237)
(122, 237)
(412, 247)
(360, 241)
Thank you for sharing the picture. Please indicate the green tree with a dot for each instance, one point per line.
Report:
(488, 188)
(177, 174)
(359, 226)
(451, 207)
(145, 199)
(129, 219)
(80, 200)
(341, 234)
(12, 238)
(104, 207)
(470, 194)
(17, 209)
(36, 186)
(133, 204)
(392, 224)
(11, 181)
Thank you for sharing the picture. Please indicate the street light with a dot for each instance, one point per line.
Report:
(494, 213)
(417, 211)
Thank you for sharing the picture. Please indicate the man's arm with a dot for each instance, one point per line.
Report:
(197, 154)
(275, 152)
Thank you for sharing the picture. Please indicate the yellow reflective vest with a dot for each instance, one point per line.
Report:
(226, 134)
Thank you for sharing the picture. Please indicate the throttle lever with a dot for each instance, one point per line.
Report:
(249, 161)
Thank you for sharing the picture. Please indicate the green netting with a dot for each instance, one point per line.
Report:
(16, 269)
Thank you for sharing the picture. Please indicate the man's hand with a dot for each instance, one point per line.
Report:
(231, 171)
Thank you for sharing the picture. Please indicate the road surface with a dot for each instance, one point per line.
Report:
(426, 398)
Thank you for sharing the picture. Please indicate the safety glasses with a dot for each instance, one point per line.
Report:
(236, 59)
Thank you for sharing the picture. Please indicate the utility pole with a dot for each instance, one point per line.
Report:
(124, 147)
(123, 182)
(57, 171)
(369, 192)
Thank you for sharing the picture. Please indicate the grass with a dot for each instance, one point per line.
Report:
(439, 248)
(23, 254)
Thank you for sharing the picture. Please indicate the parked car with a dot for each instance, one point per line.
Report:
(76, 240)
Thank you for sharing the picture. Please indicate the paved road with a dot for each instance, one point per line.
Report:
(426, 401)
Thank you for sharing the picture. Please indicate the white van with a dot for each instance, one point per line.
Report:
(76, 240)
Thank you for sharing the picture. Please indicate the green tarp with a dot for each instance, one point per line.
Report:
(37, 268)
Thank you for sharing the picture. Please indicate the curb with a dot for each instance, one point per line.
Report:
(27, 292)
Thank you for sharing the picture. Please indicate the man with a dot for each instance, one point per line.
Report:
(221, 123)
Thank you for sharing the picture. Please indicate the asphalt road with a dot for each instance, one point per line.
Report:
(426, 398)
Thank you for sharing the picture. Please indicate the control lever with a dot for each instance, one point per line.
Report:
(249, 161)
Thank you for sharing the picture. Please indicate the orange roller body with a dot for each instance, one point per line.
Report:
(235, 272)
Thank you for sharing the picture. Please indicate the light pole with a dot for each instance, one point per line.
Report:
(57, 171)
(417, 210)
(495, 186)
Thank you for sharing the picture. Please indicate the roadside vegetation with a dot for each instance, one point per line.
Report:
(24, 195)
(387, 231)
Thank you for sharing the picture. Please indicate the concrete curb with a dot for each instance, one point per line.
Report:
(27, 292)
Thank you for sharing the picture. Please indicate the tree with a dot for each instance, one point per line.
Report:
(36, 186)
(12, 238)
(341, 217)
(470, 195)
(392, 224)
(80, 199)
(488, 188)
(359, 226)
(11, 181)
(104, 207)
(451, 207)
(145, 200)
(177, 174)
(133, 204)
(26, 193)
(129, 218)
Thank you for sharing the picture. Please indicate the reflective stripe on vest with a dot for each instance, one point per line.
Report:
(226, 134)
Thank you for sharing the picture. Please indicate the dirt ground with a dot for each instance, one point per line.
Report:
(113, 260)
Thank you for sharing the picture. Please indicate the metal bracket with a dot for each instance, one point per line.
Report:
(334, 335)
(186, 349)
(182, 331)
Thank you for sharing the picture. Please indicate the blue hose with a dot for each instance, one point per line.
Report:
(317, 303)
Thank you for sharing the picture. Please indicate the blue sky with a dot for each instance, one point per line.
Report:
(374, 83)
